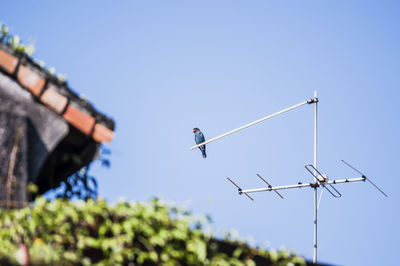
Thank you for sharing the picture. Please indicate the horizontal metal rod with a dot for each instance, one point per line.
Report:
(250, 124)
(300, 185)
(277, 188)
(346, 180)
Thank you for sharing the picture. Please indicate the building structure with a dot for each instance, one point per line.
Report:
(47, 132)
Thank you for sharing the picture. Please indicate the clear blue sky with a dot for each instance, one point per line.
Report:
(160, 68)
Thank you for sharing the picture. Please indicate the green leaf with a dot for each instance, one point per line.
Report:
(14, 41)
(70, 256)
(198, 247)
(237, 253)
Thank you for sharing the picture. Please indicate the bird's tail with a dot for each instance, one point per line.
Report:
(203, 151)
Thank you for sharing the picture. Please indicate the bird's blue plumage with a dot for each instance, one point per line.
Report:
(199, 138)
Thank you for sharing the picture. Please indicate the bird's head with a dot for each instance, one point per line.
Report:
(195, 130)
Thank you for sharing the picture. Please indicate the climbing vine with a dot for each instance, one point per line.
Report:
(62, 232)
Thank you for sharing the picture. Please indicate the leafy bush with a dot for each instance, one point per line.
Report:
(63, 232)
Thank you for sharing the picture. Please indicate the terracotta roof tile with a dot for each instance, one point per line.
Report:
(31, 80)
(56, 95)
(8, 62)
(82, 121)
(54, 100)
(102, 134)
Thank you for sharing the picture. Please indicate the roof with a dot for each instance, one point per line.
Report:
(56, 95)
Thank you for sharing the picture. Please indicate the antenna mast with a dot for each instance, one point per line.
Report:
(319, 179)
(315, 174)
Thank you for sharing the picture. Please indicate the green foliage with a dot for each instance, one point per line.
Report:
(63, 232)
(14, 41)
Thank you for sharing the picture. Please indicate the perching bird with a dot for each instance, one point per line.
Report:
(199, 138)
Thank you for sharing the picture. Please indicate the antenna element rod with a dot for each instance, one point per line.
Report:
(239, 189)
(252, 123)
(376, 186)
(269, 185)
(352, 167)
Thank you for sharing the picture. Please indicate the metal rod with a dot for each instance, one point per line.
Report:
(380, 190)
(335, 192)
(314, 173)
(233, 183)
(239, 189)
(349, 165)
(301, 185)
(320, 198)
(315, 187)
(269, 185)
(250, 124)
(277, 188)
(376, 187)
(346, 180)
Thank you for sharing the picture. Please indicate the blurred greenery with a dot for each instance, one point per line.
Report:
(14, 41)
(63, 232)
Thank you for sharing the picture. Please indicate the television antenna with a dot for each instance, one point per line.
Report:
(320, 180)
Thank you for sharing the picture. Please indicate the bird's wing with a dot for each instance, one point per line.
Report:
(201, 138)
(197, 138)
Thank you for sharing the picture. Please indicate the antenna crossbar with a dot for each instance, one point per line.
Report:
(301, 185)
(239, 189)
(269, 185)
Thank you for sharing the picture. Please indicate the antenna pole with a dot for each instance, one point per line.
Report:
(315, 174)
(319, 179)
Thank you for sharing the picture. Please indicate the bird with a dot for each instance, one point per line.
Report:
(199, 138)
